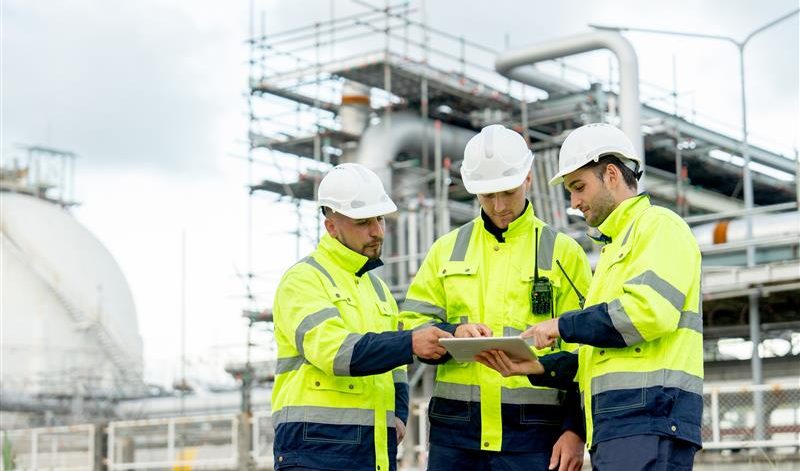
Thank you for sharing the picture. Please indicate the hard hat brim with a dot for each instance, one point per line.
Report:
(493, 186)
(371, 211)
(559, 177)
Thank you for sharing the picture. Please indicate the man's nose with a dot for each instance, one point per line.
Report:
(499, 204)
(376, 228)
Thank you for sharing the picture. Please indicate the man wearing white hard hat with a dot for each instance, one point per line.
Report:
(340, 399)
(640, 364)
(496, 276)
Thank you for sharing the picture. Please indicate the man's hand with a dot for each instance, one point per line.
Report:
(425, 343)
(568, 452)
(400, 428)
(500, 362)
(473, 330)
(544, 333)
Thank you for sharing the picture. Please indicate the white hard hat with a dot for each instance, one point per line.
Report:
(355, 191)
(496, 159)
(590, 142)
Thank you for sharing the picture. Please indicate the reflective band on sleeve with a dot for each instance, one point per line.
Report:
(399, 376)
(636, 380)
(341, 362)
(310, 322)
(285, 365)
(660, 286)
(623, 323)
(691, 320)
(422, 307)
(462, 242)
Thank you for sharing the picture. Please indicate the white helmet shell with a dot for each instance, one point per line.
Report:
(590, 142)
(355, 191)
(496, 159)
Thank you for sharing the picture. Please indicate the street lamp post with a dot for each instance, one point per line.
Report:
(755, 335)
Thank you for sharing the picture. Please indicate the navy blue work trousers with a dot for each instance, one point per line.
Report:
(444, 458)
(643, 452)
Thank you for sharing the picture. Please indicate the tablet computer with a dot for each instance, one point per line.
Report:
(464, 349)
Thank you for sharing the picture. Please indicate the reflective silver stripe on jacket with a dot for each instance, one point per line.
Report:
(636, 380)
(623, 323)
(399, 376)
(472, 393)
(421, 307)
(547, 245)
(462, 242)
(285, 365)
(457, 392)
(519, 396)
(309, 323)
(343, 358)
(329, 416)
(315, 264)
(660, 286)
(377, 285)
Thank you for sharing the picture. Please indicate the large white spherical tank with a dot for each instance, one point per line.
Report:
(67, 318)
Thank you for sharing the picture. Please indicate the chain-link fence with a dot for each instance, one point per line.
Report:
(752, 417)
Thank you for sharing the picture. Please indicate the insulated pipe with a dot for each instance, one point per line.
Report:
(764, 225)
(383, 142)
(508, 64)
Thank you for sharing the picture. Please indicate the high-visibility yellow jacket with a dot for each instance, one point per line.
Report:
(470, 275)
(640, 367)
(340, 378)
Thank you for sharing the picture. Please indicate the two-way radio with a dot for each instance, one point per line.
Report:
(542, 290)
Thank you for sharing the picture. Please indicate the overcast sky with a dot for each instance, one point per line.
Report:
(151, 96)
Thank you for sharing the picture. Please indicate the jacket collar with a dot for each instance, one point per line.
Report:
(621, 216)
(344, 258)
(518, 226)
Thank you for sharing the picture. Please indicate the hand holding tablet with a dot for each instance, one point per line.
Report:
(465, 349)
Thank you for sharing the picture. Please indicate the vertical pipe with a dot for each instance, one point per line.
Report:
(679, 198)
(715, 433)
(171, 440)
(402, 246)
(35, 450)
(754, 317)
(439, 203)
(413, 235)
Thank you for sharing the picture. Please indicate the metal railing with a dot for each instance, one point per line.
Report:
(69, 448)
(203, 442)
(210, 442)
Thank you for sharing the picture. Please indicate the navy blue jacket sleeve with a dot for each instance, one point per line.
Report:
(401, 401)
(573, 413)
(590, 326)
(378, 353)
(559, 371)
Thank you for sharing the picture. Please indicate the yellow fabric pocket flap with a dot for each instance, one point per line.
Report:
(458, 268)
(345, 384)
(604, 354)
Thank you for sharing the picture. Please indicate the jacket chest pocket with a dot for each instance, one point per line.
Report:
(520, 314)
(462, 286)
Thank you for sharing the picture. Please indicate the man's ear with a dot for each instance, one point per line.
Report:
(330, 226)
(613, 175)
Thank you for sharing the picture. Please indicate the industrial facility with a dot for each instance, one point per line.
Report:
(384, 89)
